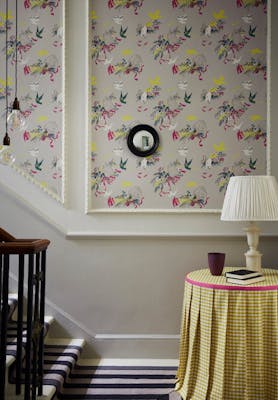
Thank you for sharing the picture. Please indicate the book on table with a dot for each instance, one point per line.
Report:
(246, 281)
(242, 274)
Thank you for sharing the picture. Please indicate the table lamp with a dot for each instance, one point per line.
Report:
(251, 198)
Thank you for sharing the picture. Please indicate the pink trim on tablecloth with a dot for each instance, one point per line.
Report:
(230, 287)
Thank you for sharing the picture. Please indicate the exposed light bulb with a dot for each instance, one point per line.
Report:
(6, 156)
(16, 120)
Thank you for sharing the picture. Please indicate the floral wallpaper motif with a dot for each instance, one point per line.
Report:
(194, 70)
(38, 148)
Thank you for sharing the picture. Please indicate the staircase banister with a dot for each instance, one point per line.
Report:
(6, 236)
(34, 337)
(24, 246)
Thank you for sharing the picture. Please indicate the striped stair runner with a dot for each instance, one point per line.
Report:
(12, 330)
(119, 383)
(60, 356)
(65, 379)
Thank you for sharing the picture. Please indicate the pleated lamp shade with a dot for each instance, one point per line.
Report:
(251, 198)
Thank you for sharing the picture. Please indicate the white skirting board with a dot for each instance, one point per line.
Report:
(120, 336)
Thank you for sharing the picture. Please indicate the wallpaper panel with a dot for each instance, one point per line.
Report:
(194, 70)
(38, 147)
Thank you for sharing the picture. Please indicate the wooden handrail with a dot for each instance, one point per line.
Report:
(24, 246)
(10, 245)
(5, 236)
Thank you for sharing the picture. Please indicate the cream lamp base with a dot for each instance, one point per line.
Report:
(253, 256)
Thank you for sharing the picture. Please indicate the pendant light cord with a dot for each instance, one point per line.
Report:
(16, 23)
(7, 101)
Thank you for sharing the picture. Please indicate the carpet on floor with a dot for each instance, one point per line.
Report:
(119, 383)
(76, 382)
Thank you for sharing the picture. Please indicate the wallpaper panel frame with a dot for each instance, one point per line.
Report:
(39, 148)
(206, 137)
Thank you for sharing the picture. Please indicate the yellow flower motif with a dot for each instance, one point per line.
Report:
(43, 184)
(3, 16)
(155, 15)
(219, 147)
(155, 81)
(42, 118)
(191, 117)
(93, 146)
(93, 15)
(93, 80)
(127, 52)
(255, 51)
(42, 52)
(126, 118)
(10, 50)
(191, 184)
(223, 182)
(156, 117)
(191, 52)
(221, 116)
(157, 50)
(256, 117)
(126, 184)
(219, 15)
(3, 82)
(220, 80)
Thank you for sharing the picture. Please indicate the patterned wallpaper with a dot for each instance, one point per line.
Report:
(195, 70)
(38, 148)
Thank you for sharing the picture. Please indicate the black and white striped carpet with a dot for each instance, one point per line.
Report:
(74, 381)
(119, 383)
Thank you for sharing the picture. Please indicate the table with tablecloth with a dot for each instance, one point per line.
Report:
(229, 338)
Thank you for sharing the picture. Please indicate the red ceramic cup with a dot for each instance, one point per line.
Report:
(216, 263)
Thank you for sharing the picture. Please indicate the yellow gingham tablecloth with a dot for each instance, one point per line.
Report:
(229, 339)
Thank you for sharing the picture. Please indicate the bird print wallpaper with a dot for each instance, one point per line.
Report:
(196, 71)
(33, 51)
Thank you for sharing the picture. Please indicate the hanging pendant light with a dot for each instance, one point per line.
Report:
(6, 156)
(16, 119)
